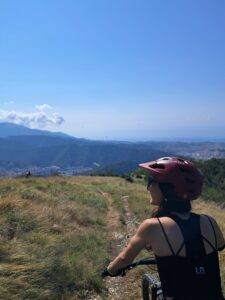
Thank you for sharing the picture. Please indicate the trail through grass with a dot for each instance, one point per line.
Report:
(55, 234)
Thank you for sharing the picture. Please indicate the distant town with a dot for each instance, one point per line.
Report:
(42, 153)
(46, 171)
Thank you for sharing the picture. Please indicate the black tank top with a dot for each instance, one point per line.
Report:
(195, 276)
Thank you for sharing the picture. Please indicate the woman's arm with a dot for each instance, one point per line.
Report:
(135, 245)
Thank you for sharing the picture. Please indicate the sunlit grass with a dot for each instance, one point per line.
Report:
(53, 233)
(53, 238)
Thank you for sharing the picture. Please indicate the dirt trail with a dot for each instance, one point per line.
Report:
(127, 287)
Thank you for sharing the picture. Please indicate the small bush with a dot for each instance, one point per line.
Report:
(129, 179)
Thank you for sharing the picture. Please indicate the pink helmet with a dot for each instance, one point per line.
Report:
(183, 175)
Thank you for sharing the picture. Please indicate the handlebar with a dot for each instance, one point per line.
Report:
(144, 261)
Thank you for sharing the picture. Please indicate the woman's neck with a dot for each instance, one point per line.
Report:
(184, 216)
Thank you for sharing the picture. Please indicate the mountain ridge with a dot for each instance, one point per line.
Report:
(41, 149)
(10, 129)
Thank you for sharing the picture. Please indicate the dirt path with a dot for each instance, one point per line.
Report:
(127, 287)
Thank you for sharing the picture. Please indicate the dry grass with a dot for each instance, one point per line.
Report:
(53, 233)
(48, 226)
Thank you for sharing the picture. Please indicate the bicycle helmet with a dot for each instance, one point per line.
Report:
(181, 174)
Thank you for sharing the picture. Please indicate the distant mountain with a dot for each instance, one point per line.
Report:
(22, 148)
(10, 129)
(44, 151)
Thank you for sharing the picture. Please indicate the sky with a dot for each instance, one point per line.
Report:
(114, 69)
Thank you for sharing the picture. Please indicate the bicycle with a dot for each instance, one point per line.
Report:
(151, 286)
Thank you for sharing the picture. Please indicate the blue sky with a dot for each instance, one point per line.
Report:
(120, 69)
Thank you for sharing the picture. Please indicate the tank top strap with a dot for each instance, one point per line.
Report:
(214, 232)
(181, 247)
(191, 232)
(166, 237)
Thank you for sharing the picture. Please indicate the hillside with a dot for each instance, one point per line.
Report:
(57, 232)
(22, 152)
(43, 152)
(214, 179)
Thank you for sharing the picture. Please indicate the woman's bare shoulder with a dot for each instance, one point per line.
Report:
(152, 223)
(147, 224)
(208, 223)
(206, 219)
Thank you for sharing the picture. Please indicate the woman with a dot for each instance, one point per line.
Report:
(185, 244)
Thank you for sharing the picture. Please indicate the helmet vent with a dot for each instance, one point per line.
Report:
(158, 166)
(181, 160)
(185, 170)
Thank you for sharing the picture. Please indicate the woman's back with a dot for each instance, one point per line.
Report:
(186, 251)
(159, 243)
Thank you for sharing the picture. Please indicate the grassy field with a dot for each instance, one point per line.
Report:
(53, 233)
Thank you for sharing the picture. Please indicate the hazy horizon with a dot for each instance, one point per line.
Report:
(114, 70)
(149, 139)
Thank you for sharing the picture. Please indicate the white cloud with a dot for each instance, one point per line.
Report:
(43, 107)
(58, 119)
(38, 119)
